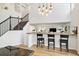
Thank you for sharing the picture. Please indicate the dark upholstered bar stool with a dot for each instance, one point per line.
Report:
(51, 39)
(64, 39)
(40, 40)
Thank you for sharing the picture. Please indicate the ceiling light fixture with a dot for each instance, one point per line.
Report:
(45, 9)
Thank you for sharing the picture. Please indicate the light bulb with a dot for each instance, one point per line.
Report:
(46, 10)
(46, 14)
(39, 12)
(50, 9)
(42, 14)
(43, 8)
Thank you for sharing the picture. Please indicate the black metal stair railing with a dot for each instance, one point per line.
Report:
(11, 22)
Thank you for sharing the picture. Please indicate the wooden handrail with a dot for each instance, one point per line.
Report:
(25, 16)
(16, 17)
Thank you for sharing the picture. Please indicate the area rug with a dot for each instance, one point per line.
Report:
(15, 51)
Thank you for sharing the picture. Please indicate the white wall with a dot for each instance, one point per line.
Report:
(74, 14)
(26, 38)
(60, 13)
(22, 9)
(6, 13)
(11, 38)
(75, 21)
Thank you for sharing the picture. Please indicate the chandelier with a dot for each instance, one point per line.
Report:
(45, 9)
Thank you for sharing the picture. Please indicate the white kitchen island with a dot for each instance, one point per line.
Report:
(33, 39)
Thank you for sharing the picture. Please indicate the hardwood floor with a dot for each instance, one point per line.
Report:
(45, 52)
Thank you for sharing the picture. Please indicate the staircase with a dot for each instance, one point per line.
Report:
(13, 23)
(20, 25)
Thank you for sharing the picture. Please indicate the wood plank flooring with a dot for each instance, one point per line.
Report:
(49, 52)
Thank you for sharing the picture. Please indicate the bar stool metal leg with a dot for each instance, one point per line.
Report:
(67, 47)
(48, 45)
(60, 47)
(54, 45)
(37, 43)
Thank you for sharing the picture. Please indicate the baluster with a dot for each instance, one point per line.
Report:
(18, 22)
(28, 17)
(10, 24)
(0, 29)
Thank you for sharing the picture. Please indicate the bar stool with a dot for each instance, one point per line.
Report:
(51, 39)
(40, 40)
(64, 39)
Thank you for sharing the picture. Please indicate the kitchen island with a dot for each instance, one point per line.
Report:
(32, 39)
